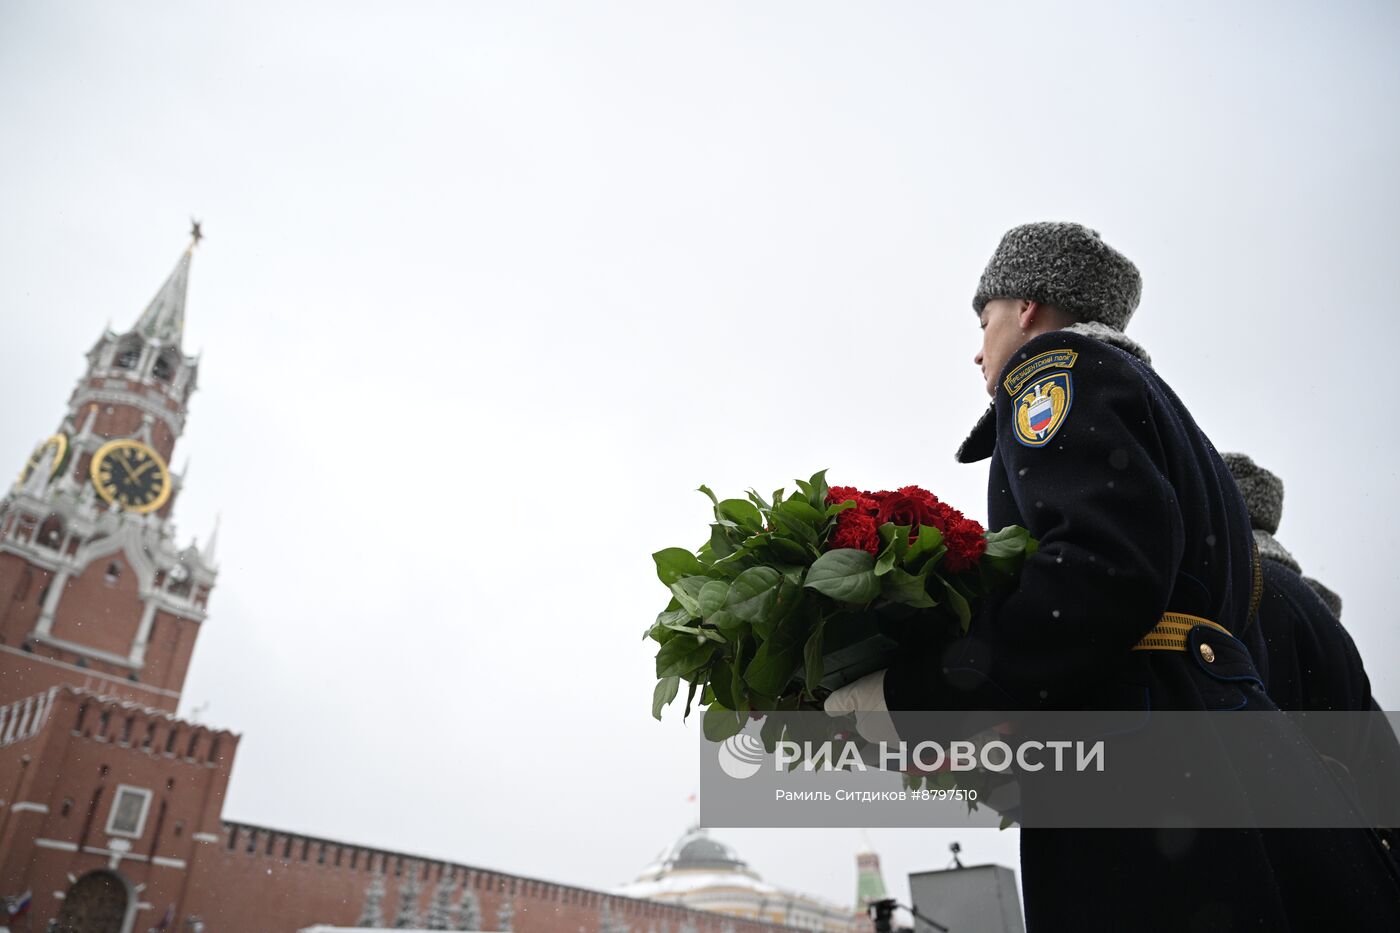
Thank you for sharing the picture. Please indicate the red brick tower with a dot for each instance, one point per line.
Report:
(93, 590)
(106, 798)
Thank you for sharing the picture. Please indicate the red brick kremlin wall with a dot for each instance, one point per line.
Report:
(65, 753)
(276, 881)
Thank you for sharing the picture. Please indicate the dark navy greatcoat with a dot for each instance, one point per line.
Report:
(1136, 514)
(1313, 664)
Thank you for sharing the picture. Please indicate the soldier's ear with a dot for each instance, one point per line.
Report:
(1028, 313)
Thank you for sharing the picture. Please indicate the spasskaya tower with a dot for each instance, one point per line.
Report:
(95, 591)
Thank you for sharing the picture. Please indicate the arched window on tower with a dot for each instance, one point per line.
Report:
(114, 572)
(164, 369)
(51, 532)
(128, 353)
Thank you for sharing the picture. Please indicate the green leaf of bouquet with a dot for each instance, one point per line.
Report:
(752, 594)
(746, 554)
(795, 574)
(672, 563)
(896, 544)
(817, 489)
(1006, 823)
(711, 597)
(683, 655)
(665, 692)
(720, 545)
(670, 617)
(908, 589)
(777, 657)
(761, 701)
(706, 490)
(741, 512)
(689, 698)
(800, 521)
(727, 622)
(722, 683)
(757, 500)
(771, 732)
(770, 670)
(788, 600)
(720, 723)
(687, 593)
(923, 547)
(778, 496)
(958, 604)
(787, 551)
(812, 659)
(845, 574)
(1008, 541)
(736, 676)
(837, 507)
(707, 694)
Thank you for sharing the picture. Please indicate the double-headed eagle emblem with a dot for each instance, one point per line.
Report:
(1041, 409)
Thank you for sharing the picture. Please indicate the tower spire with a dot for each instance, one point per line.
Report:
(163, 321)
(208, 551)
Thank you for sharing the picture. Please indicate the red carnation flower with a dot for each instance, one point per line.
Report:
(864, 501)
(855, 529)
(965, 541)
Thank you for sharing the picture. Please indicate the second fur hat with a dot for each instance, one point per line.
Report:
(1262, 491)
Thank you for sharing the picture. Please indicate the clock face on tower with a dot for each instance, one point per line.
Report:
(128, 473)
(58, 443)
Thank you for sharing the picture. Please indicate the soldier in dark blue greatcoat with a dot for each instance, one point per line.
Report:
(1311, 662)
(1141, 595)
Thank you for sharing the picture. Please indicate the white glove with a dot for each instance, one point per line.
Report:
(866, 699)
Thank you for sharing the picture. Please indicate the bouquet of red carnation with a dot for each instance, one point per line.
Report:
(791, 599)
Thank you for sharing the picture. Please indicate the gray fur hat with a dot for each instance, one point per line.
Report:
(1262, 491)
(1065, 265)
(1333, 601)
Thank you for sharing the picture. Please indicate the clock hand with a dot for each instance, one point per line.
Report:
(125, 466)
(146, 466)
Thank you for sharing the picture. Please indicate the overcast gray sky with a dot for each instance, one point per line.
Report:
(489, 288)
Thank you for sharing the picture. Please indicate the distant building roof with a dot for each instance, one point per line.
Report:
(701, 872)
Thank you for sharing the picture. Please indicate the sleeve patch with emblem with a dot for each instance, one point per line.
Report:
(1041, 408)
